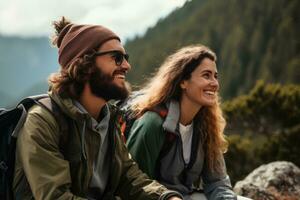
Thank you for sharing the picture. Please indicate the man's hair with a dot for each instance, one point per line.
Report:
(165, 85)
(59, 26)
(70, 80)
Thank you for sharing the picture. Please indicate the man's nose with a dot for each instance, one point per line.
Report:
(126, 65)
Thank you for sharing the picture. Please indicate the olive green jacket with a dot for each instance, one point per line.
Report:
(46, 168)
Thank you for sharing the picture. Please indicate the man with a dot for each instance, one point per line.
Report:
(92, 163)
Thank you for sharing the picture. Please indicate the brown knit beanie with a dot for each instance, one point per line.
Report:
(76, 40)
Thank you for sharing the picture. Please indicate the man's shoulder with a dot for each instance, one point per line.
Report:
(38, 114)
(39, 128)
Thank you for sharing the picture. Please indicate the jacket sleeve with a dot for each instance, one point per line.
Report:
(46, 170)
(134, 184)
(146, 140)
(217, 185)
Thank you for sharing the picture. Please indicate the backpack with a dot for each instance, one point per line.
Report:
(128, 118)
(11, 122)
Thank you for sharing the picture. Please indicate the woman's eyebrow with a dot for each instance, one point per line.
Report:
(209, 71)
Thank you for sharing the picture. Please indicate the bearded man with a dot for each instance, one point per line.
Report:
(90, 161)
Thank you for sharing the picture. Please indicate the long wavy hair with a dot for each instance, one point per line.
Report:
(70, 80)
(165, 85)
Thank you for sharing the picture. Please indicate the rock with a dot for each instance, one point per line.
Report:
(274, 181)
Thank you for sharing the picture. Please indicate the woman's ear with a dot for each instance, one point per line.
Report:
(183, 84)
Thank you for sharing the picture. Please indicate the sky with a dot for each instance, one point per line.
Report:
(30, 18)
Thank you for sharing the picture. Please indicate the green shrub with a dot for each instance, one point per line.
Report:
(263, 126)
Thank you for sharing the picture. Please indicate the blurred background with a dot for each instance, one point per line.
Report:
(257, 44)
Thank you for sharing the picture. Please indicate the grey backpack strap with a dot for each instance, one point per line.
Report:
(64, 122)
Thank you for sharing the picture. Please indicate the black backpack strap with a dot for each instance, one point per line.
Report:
(22, 109)
(20, 113)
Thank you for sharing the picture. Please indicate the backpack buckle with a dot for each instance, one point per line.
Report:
(3, 166)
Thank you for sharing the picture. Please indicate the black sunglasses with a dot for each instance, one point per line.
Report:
(117, 55)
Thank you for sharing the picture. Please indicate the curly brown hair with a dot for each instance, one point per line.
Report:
(165, 85)
(70, 79)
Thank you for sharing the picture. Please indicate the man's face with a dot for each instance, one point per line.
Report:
(108, 79)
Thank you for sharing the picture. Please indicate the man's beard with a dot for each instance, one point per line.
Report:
(102, 85)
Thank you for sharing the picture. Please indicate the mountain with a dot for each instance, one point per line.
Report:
(24, 62)
(4, 99)
(253, 40)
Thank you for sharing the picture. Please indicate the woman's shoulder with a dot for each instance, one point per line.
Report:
(151, 118)
(147, 125)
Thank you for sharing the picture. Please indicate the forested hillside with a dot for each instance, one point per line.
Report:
(262, 126)
(256, 39)
(253, 40)
(24, 62)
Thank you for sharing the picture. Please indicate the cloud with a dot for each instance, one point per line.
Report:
(127, 18)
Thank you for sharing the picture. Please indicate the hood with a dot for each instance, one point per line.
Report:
(67, 106)
(171, 122)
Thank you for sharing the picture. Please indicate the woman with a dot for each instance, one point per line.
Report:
(184, 146)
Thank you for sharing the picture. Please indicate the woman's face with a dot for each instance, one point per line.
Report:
(201, 89)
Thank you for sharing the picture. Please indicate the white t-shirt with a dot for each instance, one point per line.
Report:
(186, 133)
